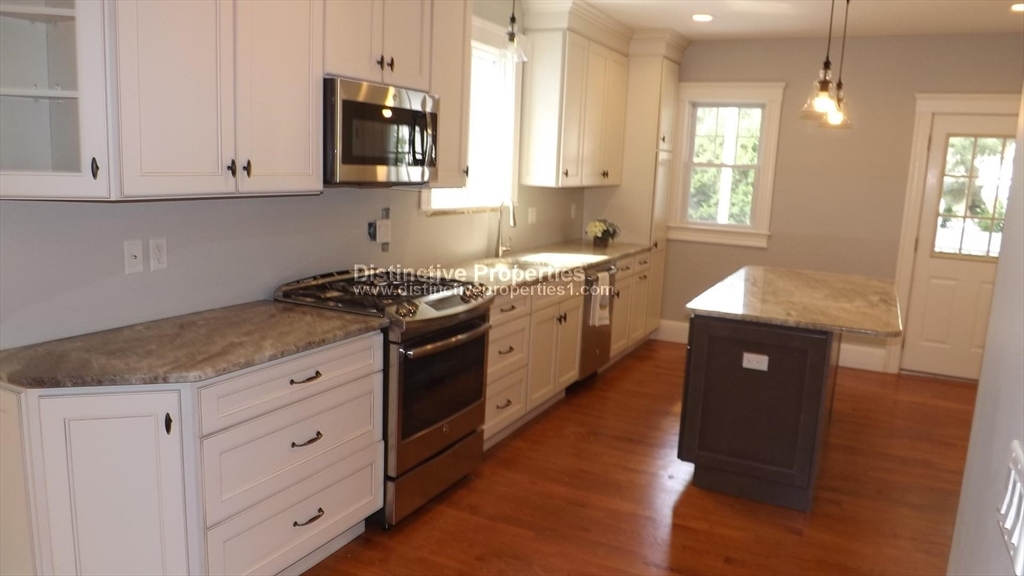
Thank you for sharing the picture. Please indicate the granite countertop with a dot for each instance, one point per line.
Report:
(529, 273)
(613, 251)
(802, 299)
(186, 348)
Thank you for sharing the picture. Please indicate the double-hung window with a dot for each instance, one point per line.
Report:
(729, 133)
(493, 117)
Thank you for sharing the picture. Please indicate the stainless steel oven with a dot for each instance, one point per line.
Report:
(378, 135)
(436, 389)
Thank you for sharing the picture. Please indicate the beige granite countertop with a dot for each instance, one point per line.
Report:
(613, 251)
(186, 348)
(532, 275)
(802, 299)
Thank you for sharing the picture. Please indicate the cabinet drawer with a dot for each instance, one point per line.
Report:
(249, 463)
(272, 536)
(554, 292)
(509, 307)
(506, 402)
(257, 393)
(642, 262)
(625, 267)
(508, 348)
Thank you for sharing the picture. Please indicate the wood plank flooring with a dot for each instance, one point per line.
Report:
(594, 487)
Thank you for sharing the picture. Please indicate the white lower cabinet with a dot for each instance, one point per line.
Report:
(554, 350)
(620, 316)
(506, 401)
(114, 472)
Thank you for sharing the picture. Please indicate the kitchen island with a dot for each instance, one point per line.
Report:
(761, 369)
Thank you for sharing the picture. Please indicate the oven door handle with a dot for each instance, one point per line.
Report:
(435, 347)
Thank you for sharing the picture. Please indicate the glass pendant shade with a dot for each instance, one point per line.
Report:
(838, 118)
(821, 100)
(515, 47)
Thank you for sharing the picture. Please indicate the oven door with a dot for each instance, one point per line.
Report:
(436, 393)
(377, 134)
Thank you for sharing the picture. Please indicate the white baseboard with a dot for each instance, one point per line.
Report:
(851, 355)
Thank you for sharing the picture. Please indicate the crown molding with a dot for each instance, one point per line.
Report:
(662, 42)
(580, 17)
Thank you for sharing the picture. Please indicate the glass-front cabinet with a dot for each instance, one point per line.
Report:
(53, 106)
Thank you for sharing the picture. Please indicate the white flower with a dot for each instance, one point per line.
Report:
(596, 229)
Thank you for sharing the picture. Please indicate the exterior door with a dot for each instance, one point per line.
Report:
(970, 164)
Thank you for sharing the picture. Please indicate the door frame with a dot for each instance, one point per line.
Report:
(927, 106)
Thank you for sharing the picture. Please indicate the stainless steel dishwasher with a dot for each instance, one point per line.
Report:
(596, 341)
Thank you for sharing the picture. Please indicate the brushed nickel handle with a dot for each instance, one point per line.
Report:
(233, 168)
(312, 378)
(380, 61)
(95, 169)
(391, 63)
(435, 347)
(312, 440)
(248, 168)
(509, 309)
(319, 515)
(510, 350)
(508, 402)
(167, 423)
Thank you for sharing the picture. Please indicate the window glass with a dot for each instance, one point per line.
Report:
(724, 164)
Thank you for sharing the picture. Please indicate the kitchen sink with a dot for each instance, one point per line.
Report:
(560, 260)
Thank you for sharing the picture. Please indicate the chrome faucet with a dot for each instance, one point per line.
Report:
(502, 248)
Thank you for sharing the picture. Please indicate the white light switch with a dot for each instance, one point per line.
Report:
(157, 254)
(133, 256)
(755, 361)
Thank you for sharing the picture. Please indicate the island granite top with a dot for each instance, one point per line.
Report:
(803, 299)
(188, 348)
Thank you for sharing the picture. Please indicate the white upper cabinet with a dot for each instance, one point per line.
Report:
(279, 96)
(667, 109)
(450, 82)
(354, 39)
(573, 112)
(177, 98)
(53, 104)
(383, 41)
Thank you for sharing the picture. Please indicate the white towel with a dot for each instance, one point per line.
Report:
(600, 301)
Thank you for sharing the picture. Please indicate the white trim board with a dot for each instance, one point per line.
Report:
(851, 355)
(928, 105)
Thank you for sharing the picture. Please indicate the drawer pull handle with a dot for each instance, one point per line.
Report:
(508, 402)
(319, 515)
(509, 350)
(626, 268)
(312, 378)
(643, 262)
(509, 309)
(618, 294)
(643, 277)
(312, 440)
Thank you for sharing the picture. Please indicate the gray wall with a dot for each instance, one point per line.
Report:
(978, 547)
(838, 195)
(62, 268)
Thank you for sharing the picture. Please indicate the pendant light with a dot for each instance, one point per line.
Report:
(515, 47)
(821, 100)
(840, 118)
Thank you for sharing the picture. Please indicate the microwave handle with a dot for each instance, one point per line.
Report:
(429, 152)
(441, 346)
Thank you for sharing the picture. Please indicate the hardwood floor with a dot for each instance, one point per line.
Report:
(594, 487)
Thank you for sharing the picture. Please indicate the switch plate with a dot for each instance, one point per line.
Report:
(383, 231)
(133, 257)
(753, 361)
(157, 254)
(531, 215)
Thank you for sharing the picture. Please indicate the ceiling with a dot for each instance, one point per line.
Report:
(809, 18)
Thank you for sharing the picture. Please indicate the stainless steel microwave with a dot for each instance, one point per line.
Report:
(378, 135)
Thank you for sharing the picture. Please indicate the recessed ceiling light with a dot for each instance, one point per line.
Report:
(1017, 7)
(703, 17)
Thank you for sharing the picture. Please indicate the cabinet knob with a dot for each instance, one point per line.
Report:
(95, 168)
(662, 137)
(248, 168)
(618, 294)
(380, 61)
(233, 168)
(565, 172)
(655, 243)
(167, 423)
(466, 171)
(391, 63)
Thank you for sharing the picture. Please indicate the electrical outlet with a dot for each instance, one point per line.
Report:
(133, 257)
(755, 361)
(383, 231)
(385, 213)
(531, 215)
(157, 254)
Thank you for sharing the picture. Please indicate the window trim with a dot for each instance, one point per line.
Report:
(767, 95)
(492, 36)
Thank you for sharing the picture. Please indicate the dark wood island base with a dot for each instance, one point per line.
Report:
(756, 408)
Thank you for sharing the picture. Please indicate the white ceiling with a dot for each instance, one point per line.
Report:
(809, 18)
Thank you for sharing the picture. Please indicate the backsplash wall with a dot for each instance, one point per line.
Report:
(62, 265)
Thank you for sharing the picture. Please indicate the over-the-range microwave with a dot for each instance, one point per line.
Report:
(378, 135)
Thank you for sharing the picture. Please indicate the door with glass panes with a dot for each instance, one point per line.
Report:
(970, 165)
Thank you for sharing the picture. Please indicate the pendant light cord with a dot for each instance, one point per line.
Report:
(828, 47)
(512, 19)
(842, 55)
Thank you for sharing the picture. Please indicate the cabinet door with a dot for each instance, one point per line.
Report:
(667, 108)
(280, 94)
(659, 208)
(450, 81)
(567, 365)
(638, 309)
(353, 39)
(574, 75)
(177, 97)
(656, 289)
(53, 104)
(113, 471)
(594, 115)
(620, 315)
(15, 522)
(543, 352)
(407, 43)
(614, 118)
